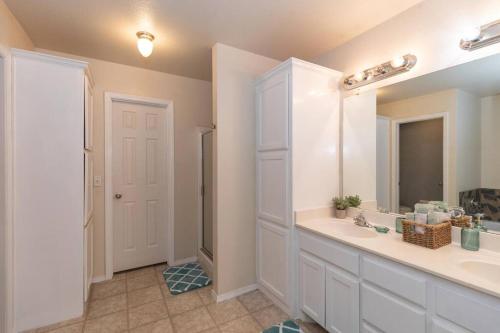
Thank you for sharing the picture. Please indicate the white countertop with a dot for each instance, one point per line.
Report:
(445, 262)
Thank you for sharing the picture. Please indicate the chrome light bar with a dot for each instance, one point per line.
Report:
(482, 36)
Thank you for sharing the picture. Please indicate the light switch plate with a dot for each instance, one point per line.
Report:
(98, 181)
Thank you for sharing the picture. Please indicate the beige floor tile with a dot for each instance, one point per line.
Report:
(108, 305)
(142, 281)
(115, 322)
(162, 326)
(75, 328)
(146, 313)
(144, 295)
(161, 268)
(59, 325)
(106, 289)
(226, 311)
(311, 327)
(206, 295)
(270, 316)
(119, 276)
(242, 325)
(140, 272)
(184, 302)
(193, 321)
(212, 330)
(160, 278)
(165, 291)
(254, 300)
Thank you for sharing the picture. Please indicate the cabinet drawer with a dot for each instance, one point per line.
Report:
(390, 314)
(330, 251)
(475, 312)
(395, 278)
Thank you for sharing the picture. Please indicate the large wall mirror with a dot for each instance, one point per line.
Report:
(438, 139)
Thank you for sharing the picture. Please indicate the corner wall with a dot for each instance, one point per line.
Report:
(234, 72)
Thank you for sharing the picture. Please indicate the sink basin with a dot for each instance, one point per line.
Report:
(483, 270)
(354, 231)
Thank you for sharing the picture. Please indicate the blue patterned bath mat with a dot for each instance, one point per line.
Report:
(288, 326)
(185, 277)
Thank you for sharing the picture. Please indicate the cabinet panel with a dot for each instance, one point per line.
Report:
(273, 259)
(89, 186)
(342, 301)
(312, 287)
(272, 186)
(388, 313)
(88, 248)
(439, 325)
(272, 113)
(89, 115)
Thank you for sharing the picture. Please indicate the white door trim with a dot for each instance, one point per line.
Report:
(8, 176)
(168, 105)
(395, 153)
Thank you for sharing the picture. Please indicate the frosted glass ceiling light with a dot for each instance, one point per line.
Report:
(475, 38)
(145, 43)
(397, 65)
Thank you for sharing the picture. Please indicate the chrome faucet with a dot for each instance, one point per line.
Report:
(360, 220)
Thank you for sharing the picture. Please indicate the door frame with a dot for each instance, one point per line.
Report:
(199, 184)
(395, 153)
(168, 106)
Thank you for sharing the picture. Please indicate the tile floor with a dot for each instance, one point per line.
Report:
(139, 301)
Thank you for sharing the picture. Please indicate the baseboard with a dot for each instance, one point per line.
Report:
(234, 293)
(206, 263)
(97, 279)
(184, 261)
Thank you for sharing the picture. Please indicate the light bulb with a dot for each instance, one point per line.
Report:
(360, 76)
(471, 34)
(145, 43)
(398, 62)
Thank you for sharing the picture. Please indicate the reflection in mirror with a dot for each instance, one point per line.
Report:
(438, 139)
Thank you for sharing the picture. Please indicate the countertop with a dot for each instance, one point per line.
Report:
(445, 262)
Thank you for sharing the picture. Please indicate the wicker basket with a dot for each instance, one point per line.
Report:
(433, 237)
(462, 222)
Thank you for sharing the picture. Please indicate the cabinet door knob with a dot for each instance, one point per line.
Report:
(118, 195)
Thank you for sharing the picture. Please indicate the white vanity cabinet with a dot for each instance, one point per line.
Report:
(297, 141)
(347, 290)
(53, 234)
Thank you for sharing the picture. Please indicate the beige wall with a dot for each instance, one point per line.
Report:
(234, 72)
(12, 33)
(431, 30)
(192, 108)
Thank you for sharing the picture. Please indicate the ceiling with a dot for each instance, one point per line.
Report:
(185, 30)
(480, 77)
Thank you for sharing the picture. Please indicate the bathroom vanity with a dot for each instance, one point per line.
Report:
(352, 279)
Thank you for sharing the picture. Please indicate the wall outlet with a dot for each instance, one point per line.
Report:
(97, 181)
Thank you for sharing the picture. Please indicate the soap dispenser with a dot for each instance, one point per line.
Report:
(470, 236)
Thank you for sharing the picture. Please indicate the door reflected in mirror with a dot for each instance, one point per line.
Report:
(438, 139)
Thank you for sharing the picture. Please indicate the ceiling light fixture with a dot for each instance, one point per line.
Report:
(145, 43)
(477, 37)
(396, 66)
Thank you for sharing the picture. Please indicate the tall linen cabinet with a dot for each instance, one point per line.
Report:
(52, 165)
(297, 109)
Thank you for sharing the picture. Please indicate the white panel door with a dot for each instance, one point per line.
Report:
(272, 186)
(273, 259)
(312, 287)
(342, 301)
(272, 113)
(89, 115)
(139, 185)
(89, 186)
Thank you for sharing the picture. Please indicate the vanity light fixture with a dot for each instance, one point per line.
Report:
(145, 43)
(477, 37)
(395, 66)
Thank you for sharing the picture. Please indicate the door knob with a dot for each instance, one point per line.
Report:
(118, 195)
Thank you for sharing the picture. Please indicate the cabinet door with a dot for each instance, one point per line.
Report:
(89, 115)
(273, 259)
(312, 287)
(89, 186)
(88, 251)
(342, 301)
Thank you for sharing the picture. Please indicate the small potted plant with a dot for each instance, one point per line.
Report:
(353, 201)
(341, 206)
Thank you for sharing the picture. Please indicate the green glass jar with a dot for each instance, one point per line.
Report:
(470, 238)
(399, 224)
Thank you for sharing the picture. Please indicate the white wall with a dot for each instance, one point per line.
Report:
(490, 139)
(359, 147)
(12, 33)
(383, 162)
(431, 30)
(234, 73)
(192, 105)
